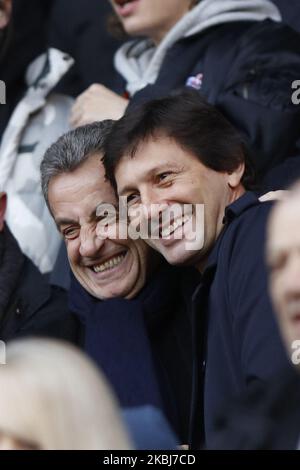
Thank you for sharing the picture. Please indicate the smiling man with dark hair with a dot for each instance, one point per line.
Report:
(179, 150)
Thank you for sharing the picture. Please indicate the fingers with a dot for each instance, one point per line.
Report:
(96, 104)
(79, 112)
(275, 196)
(76, 116)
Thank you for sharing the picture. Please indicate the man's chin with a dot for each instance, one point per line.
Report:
(110, 291)
(180, 259)
(182, 253)
(94, 292)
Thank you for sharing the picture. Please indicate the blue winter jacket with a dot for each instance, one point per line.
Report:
(236, 340)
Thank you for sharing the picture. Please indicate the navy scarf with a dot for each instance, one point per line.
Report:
(117, 335)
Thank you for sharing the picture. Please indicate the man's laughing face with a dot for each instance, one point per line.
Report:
(105, 267)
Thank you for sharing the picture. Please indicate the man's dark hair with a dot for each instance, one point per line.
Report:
(71, 150)
(195, 125)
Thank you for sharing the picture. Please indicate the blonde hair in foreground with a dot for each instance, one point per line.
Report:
(54, 397)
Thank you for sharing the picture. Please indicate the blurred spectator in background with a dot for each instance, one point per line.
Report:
(290, 10)
(80, 29)
(283, 257)
(133, 325)
(53, 398)
(37, 118)
(28, 305)
(226, 50)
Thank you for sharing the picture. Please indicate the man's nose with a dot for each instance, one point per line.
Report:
(90, 244)
(152, 204)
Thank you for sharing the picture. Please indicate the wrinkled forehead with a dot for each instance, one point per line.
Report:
(82, 190)
(152, 154)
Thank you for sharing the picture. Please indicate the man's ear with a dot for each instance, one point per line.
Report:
(3, 204)
(5, 13)
(234, 178)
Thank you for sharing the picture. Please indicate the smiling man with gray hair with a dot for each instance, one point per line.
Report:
(122, 292)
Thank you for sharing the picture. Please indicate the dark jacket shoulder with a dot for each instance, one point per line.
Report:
(38, 309)
(242, 331)
(260, 420)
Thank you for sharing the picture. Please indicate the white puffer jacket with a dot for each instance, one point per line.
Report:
(37, 121)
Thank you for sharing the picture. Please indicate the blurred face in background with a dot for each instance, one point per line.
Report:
(150, 18)
(283, 259)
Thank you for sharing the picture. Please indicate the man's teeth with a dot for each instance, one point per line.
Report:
(178, 223)
(112, 263)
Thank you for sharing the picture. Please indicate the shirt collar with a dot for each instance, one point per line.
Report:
(232, 212)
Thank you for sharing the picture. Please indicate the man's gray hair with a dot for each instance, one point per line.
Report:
(71, 150)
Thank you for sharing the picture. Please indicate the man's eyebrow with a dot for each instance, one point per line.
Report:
(166, 165)
(60, 222)
(93, 216)
(127, 189)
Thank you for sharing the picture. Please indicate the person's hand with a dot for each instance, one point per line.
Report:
(96, 104)
(279, 195)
